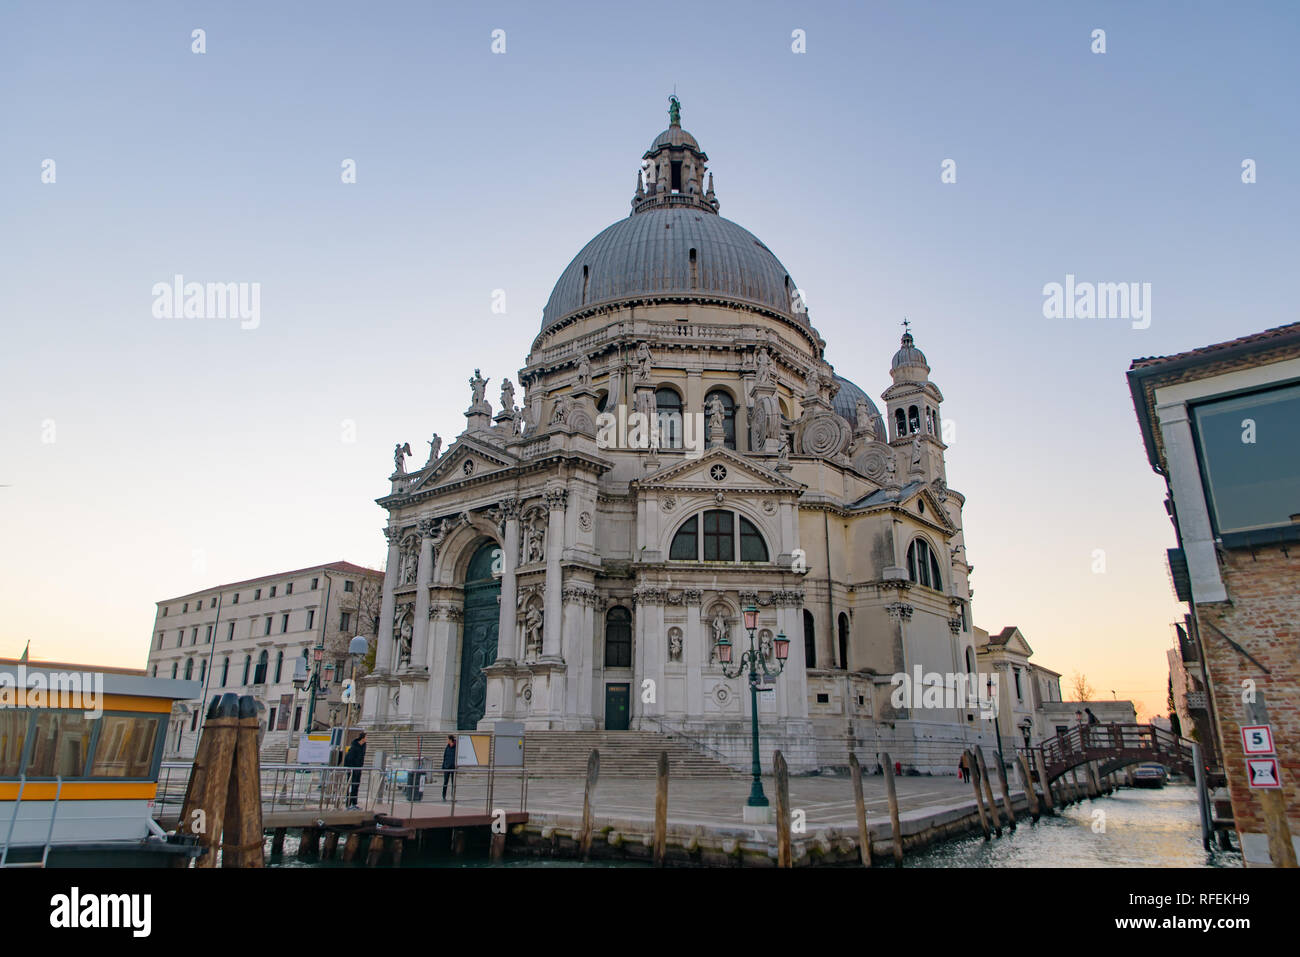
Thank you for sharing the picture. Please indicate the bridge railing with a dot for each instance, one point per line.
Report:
(1112, 741)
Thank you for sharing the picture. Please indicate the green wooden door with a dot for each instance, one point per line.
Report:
(479, 635)
(616, 706)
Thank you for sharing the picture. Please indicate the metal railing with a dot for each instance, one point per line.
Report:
(291, 787)
(13, 820)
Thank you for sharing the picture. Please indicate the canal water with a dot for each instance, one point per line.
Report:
(1130, 828)
(1133, 827)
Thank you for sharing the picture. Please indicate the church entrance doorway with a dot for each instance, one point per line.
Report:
(617, 698)
(479, 634)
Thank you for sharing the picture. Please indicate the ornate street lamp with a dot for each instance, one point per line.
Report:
(312, 684)
(755, 662)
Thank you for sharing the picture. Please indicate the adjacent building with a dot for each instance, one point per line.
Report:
(1222, 425)
(247, 638)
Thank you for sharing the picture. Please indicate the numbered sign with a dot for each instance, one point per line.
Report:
(1257, 739)
(1263, 772)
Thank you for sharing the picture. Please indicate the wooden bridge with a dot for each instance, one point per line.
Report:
(1113, 746)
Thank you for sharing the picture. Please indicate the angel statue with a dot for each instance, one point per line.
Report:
(400, 452)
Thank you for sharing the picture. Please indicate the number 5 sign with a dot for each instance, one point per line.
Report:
(1257, 739)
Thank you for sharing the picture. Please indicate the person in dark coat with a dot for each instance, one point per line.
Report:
(448, 763)
(355, 759)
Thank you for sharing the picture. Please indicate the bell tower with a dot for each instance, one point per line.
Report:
(912, 411)
(674, 169)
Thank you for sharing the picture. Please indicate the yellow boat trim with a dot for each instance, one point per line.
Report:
(81, 791)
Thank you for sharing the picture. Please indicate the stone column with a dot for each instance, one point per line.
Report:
(553, 622)
(423, 574)
(384, 643)
(507, 628)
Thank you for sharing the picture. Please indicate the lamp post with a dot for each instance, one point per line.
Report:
(357, 648)
(310, 683)
(753, 660)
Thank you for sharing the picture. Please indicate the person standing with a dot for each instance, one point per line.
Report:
(448, 763)
(355, 758)
(964, 766)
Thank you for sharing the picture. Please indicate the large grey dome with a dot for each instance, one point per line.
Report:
(649, 256)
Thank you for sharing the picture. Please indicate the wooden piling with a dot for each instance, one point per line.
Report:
(860, 808)
(309, 843)
(1006, 795)
(498, 846)
(1048, 803)
(244, 843)
(351, 848)
(661, 810)
(782, 773)
(1030, 794)
(188, 821)
(398, 844)
(277, 841)
(376, 850)
(223, 734)
(979, 798)
(331, 845)
(593, 773)
(894, 824)
(988, 792)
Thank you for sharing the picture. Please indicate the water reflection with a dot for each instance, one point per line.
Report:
(1130, 828)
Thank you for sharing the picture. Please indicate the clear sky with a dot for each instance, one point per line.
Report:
(143, 458)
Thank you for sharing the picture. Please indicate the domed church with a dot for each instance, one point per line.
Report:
(681, 450)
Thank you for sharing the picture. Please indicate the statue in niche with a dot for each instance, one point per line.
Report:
(478, 386)
(717, 413)
(675, 645)
(561, 411)
(507, 396)
(400, 452)
(584, 373)
(435, 448)
(916, 452)
(719, 627)
(534, 540)
(764, 368)
(402, 634)
(643, 362)
(410, 560)
(533, 632)
(765, 645)
(783, 455)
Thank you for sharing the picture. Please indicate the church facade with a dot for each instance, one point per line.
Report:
(682, 449)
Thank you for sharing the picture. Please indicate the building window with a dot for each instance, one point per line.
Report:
(236, 599)
(311, 616)
(913, 419)
(844, 641)
(618, 638)
(207, 638)
(164, 611)
(270, 720)
(259, 674)
(809, 640)
(345, 621)
(174, 667)
(194, 636)
(970, 660)
(154, 673)
(203, 670)
(279, 665)
(315, 583)
(213, 603)
(230, 632)
(185, 608)
(288, 589)
(297, 718)
(160, 640)
(668, 408)
(272, 595)
(189, 669)
(284, 624)
(728, 415)
(726, 535)
(257, 594)
(268, 625)
(347, 586)
(248, 667)
(900, 423)
(1015, 672)
(180, 638)
(922, 566)
(225, 670)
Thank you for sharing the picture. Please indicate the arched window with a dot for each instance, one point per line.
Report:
(725, 536)
(189, 669)
(844, 641)
(668, 406)
(602, 402)
(174, 667)
(618, 638)
(259, 676)
(728, 415)
(154, 674)
(279, 664)
(922, 566)
(225, 670)
(970, 660)
(809, 640)
(248, 664)
(203, 670)
(900, 423)
(913, 419)
(929, 420)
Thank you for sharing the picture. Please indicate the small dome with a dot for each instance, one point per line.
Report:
(674, 136)
(845, 405)
(909, 355)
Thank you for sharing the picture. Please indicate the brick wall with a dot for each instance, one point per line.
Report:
(1263, 617)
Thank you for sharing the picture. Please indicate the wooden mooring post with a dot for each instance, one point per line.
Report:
(892, 792)
(860, 809)
(1042, 779)
(1006, 795)
(588, 795)
(1030, 794)
(988, 791)
(784, 857)
(661, 810)
(979, 798)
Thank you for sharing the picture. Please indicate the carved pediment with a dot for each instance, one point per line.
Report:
(720, 469)
(466, 459)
